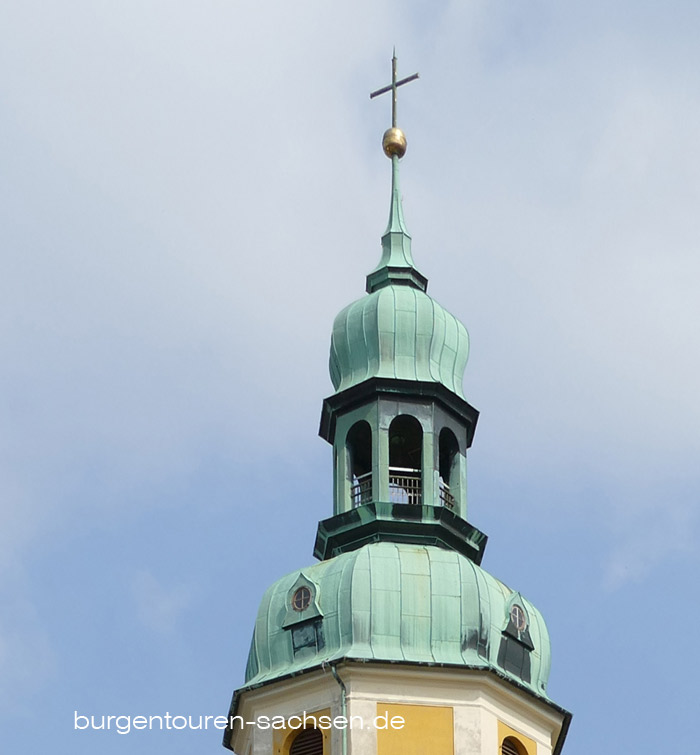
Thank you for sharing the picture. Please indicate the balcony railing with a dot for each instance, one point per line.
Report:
(446, 498)
(405, 485)
(361, 490)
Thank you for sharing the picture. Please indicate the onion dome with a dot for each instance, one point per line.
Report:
(394, 602)
(397, 331)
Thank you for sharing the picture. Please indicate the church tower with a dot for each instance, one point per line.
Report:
(397, 642)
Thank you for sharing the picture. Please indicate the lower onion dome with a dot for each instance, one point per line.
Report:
(413, 604)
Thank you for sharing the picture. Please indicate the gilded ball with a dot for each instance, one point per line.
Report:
(394, 142)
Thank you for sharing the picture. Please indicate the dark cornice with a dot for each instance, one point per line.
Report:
(376, 387)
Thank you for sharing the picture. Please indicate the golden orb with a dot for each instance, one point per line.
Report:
(394, 142)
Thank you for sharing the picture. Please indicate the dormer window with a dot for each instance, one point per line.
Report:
(301, 599)
(518, 618)
(516, 642)
(304, 619)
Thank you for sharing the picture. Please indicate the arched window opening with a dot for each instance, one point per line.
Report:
(359, 448)
(307, 742)
(405, 460)
(511, 746)
(448, 467)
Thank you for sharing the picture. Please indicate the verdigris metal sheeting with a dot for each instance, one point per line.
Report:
(397, 602)
(396, 240)
(398, 332)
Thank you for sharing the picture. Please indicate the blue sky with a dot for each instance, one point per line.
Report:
(190, 192)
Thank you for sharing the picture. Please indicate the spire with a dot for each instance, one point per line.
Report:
(396, 264)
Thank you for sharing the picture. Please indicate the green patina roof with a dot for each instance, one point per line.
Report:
(398, 331)
(396, 602)
(396, 263)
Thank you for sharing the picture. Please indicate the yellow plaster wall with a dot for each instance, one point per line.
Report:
(282, 738)
(427, 729)
(529, 745)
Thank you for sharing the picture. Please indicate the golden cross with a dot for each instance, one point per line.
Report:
(392, 88)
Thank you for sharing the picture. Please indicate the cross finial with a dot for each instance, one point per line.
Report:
(392, 88)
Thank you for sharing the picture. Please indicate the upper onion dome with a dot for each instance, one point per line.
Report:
(398, 331)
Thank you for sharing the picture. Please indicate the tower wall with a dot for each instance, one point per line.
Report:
(399, 710)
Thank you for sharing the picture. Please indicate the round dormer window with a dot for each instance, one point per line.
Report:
(301, 599)
(518, 617)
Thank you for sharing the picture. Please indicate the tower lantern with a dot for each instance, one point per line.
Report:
(397, 641)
